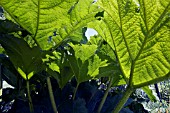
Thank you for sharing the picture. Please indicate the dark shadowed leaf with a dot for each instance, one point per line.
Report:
(26, 60)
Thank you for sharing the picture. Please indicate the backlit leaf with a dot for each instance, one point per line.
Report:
(84, 52)
(138, 32)
(51, 22)
(94, 65)
(85, 63)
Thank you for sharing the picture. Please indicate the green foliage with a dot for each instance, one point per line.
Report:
(1, 49)
(132, 46)
(84, 52)
(85, 63)
(149, 93)
(138, 33)
(44, 18)
(58, 67)
(26, 60)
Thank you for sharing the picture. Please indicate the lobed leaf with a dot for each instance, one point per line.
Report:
(85, 63)
(138, 32)
(51, 22)
(94, 64)
(58, 67)
(84, 52)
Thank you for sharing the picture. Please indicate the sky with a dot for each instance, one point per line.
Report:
(90, 32)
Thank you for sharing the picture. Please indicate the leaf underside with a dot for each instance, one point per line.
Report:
(51, 22)
(138, 32)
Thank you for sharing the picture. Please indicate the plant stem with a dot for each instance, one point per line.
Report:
(51, 95)
(75, 91)
(105, 95)
(29, 97)
(125, 97)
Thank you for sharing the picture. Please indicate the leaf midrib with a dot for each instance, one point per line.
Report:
(144, 42)
(124, 75)
(148, 33)
(37, 24)
(120, 28)
(146, 37)
(123, 36)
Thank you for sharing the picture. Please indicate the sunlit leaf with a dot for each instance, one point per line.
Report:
(59, 67)
(138, 32)
(84, 52)
(85, 63)
(51, 22)
(94, 64)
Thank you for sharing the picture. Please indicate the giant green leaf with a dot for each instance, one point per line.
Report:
(138, 32)
(51, 22)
